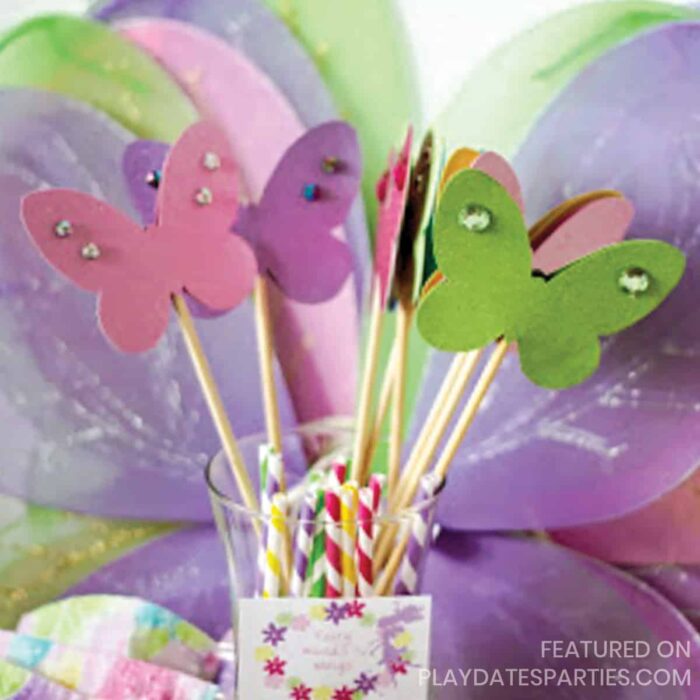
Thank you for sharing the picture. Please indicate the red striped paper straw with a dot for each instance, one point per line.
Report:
(365, 542)
(339, 473)
(334, 549)
(376, 483)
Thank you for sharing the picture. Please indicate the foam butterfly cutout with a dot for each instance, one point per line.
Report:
(142, 164)
(490, 290)
(392, 194)
(309, 193)
(422, 191)
(188, 249)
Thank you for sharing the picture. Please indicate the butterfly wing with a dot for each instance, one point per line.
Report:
(482, 248)
(599, 295)
(488, 162)
(197, 203)
(142, 165)
(309, 194)
(101, 250)
(579, 227)
(497, 167)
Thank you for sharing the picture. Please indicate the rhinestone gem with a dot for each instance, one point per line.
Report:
(153, 179)
(63, 228)
(90, 251)
(330, 165)
(311, 192)
(475, 218)
(634, 281)
(211, 161)
(204, 197)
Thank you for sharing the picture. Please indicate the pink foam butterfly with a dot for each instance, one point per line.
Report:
(136, 272)
(392, 193)
(309, 193)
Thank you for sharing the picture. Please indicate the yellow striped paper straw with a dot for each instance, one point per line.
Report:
(348, 516)
(276, 536)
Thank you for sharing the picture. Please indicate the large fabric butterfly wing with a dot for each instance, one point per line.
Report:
(310, 193)
(597, 296)
(101, 250)
(482, 248)
(197, 201)
(142, 165)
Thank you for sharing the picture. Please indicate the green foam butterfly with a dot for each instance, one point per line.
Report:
(490, 291)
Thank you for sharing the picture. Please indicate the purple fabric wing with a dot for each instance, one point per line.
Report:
(310, 193)
(666, 531)
(680, 584)
(631, 433)
(252, 28)
(184, 572)
(497, 600)
(143, 165)
(83, 427)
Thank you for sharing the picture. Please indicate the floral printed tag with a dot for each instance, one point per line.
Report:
(319, 649)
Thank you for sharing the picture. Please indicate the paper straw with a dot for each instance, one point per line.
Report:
(338, 474)
(270, 465)
(317, 562)
(376, 483)
(365, 542)
(334, 545)
(276, 535)
(348, 516)
(303, 544)
(419, 539)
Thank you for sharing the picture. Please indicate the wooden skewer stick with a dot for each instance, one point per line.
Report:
(441, 413)
(404, 316)
(215, 404)
(385, 395)
(447, 456)
(266, 358)
(383, 586)
(472, 408)
(443, 409)
(369, 377)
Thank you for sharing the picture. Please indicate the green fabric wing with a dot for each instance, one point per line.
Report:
(597, 296)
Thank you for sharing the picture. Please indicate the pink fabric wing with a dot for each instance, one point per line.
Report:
(497, 167)
(102, 250)
(309, 194)
(595, 225)
(392, 193)
(666, 531)
(318, 355)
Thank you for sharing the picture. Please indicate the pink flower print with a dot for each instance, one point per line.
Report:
(343, 693)
(273, 682)
(301, 692)
(275, 666)
(300, 623)
(399, 668)
(356, 609)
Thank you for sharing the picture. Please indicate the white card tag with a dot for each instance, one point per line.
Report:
(320, 649)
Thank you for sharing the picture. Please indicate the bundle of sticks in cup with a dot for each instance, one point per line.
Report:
(362, 526)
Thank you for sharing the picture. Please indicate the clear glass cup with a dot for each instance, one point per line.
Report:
(311, 447)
